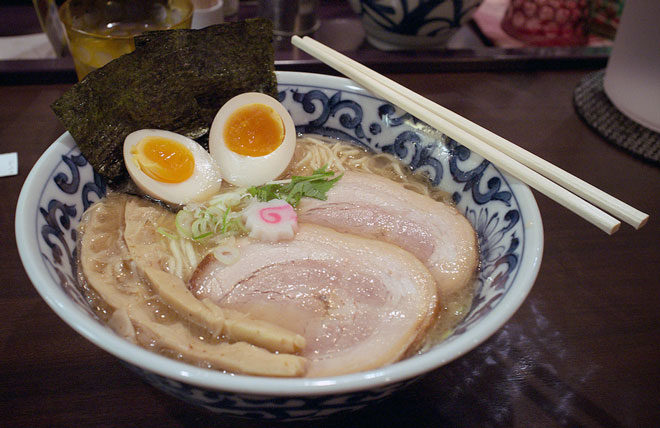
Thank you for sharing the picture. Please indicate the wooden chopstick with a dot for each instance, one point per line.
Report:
(585, 190)
(501, 152)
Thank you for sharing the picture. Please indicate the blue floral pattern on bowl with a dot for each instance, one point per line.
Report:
(333, 108)
(397, 24)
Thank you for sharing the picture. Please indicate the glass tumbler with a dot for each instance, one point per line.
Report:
(98, 31)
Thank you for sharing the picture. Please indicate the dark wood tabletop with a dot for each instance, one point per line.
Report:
(582, 351)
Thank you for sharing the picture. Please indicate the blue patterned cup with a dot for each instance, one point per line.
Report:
(502, 210)
(412, 24)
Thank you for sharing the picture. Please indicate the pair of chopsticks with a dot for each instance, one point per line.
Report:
(582, 198)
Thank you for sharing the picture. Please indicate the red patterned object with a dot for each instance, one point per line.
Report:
(605, 16)
(547, 22)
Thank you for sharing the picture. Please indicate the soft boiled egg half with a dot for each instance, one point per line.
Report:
(170, 167)
(252, 139)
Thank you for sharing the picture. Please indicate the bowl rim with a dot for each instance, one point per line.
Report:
(400, 371)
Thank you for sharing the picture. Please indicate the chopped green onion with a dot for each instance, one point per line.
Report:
(221, 214)
(166, 233)
(197, 222)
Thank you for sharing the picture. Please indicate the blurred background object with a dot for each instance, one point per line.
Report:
(605, 16)
(230, 7)
(621, 102)
(548, 22)
(632, 76)
(291, 17)
(478, 44)
(207, 12)
(51, 25)
(99, 31)
(400, 24)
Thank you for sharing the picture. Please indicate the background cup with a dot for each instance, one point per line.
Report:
(50, 23)
(414, 24)
(207, 12)
(632, 76)
(99, 31)
(544, 23)
(291, 17)
(230, 7)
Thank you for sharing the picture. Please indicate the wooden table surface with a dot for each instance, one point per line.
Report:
(582, 351)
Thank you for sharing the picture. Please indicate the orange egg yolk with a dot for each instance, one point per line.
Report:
(253, 130)
(163, 159)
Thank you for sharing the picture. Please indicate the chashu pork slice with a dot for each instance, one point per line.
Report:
(359, 303)
(376, 207)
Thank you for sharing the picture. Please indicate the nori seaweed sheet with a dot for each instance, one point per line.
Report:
(174, 80)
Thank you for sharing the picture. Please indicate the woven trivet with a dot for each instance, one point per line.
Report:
(596, 109)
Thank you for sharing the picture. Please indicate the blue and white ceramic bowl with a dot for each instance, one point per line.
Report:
(412, 24)
(503, 211)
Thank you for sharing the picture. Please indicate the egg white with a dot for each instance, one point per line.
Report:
(242, 170)
(202, 184)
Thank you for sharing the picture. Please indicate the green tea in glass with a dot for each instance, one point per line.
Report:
(100, 31)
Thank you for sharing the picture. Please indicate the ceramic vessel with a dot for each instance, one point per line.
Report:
(503, 211)
(632, 76)
(412, 24)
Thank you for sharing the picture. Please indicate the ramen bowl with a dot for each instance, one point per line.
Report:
(502, 210)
